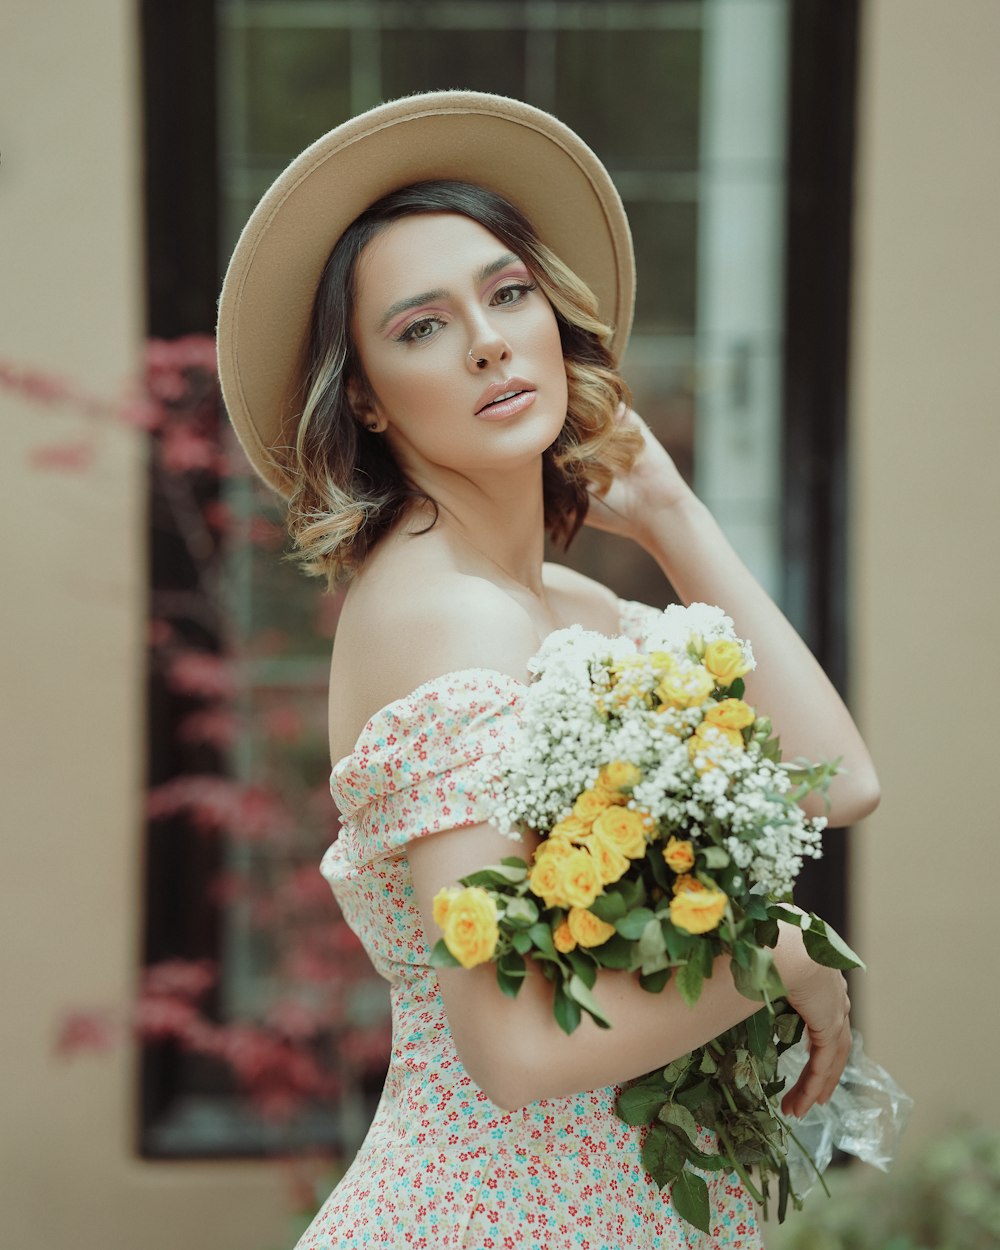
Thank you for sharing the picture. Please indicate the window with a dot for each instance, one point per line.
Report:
(687, 102)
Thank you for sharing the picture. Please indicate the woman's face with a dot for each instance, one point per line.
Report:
(436, 292)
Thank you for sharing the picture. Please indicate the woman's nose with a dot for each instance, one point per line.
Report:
(487, 347)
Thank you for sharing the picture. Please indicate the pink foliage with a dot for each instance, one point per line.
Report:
(283, 723)
(183, 978)
(215, 726)
(80, 1032)
(69, 457)
(184, 450)
(201, 674)
(314, 1033)
(248, 813)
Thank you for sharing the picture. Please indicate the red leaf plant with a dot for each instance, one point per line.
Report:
(311, 1029)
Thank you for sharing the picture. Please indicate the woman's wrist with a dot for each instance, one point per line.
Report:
(665, 520)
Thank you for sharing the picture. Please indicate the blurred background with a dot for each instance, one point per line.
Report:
(193, 1042)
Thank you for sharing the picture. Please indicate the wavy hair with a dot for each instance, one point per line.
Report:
(348, 490)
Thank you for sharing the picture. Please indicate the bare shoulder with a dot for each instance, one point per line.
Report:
(401, 628)
(580, 600)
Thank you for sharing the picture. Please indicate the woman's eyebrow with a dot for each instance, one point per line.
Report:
(414, 301)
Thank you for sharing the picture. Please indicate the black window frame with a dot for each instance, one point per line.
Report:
(179, 91)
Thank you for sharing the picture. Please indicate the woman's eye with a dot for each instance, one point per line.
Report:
(416, 330)
(513, 293)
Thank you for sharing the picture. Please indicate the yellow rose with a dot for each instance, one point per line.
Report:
(697, 910)
(709, 741)
(612, 865)
(686, 687)
(625, 828)
(579, 880)
(442, 903)
(570, 829)
(679, 855)
(730, 714)
(662, 661)
(545, 880)
(587, 929)
(563, 938)
(618, 775)
(684, 882)
(470, 928)
(724, 660)
(589, 806)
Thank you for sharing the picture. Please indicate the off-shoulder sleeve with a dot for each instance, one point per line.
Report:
(635, 619)
(418, 767)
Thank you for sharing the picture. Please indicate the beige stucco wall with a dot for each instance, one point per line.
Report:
(925, 454)
(925, 444)
(73, 594)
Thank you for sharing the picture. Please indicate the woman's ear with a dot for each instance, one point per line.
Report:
(364, 406)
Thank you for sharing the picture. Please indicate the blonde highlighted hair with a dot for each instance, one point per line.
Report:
(348, 491)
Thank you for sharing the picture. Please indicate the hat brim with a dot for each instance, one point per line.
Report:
(504, 145)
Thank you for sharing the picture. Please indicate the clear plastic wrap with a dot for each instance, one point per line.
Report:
(865, 1116)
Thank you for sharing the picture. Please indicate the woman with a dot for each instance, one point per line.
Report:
(433, 387)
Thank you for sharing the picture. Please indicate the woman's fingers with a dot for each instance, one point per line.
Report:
(822, 1072)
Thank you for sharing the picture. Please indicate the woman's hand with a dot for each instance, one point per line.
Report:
(652, 484)
(819, 995)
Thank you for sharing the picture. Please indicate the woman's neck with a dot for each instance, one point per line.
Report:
(501, 521)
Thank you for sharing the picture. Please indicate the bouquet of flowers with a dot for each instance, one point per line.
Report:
(671, 833)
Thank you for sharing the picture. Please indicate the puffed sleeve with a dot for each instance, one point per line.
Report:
(420, 764)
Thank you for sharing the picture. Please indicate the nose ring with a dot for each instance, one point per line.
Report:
(478, 361)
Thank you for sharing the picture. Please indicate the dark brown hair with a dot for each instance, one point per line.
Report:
(348, 489)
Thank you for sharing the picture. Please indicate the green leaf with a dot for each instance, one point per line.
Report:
(679, 1116)
(689, 1195)
(788, 1027)
(511, 963)
(760, 1028)
(708, 1064)
(498, 875)
(760, 981)
(581, 993)
(583, 967)
(565, 1010)
(653, 982)
(825, 946)
(784, 1186)
(541, 938)
(521, 911)
(633, 923)
(441, 956)
(640, 1104)
(777, 912)
(689, 981)
(521, 942)
(616, 952)
(756, 908)
(766, 932)
(679, 945)
(516, 862)
(677, 1069)
(609, 906)
(652, 950)
(633, 892)
(714, 857)
(662, 1155)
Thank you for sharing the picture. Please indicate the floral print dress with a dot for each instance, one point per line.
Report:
(442, 1167)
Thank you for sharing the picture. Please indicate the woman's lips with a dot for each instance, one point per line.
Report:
(502, 408)
(505, 399)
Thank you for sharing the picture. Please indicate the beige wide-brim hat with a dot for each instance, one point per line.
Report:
(506, 146)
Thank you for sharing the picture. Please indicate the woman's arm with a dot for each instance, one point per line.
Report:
(515, 1051)
(653, 505)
